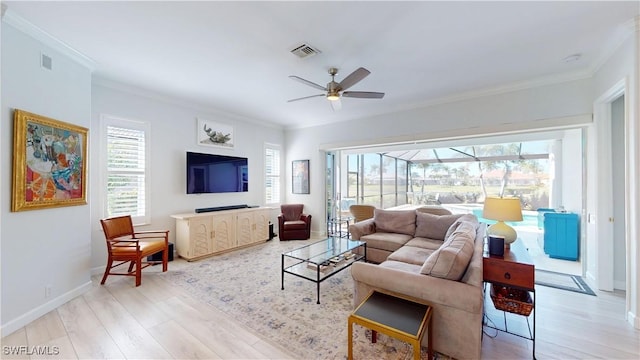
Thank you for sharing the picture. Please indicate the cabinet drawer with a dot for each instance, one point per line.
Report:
(508, 273)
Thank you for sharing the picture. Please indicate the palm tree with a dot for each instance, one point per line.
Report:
(507, 165)
(423, 167)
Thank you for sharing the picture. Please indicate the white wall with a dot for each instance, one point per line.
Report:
(47, 247)
(173, 133)
(572, 196)
(623, 66)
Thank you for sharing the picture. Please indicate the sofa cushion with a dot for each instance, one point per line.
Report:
(395, 221)
(433, 209)
(386, 241)
(295, 225)
(411, 254)
(399, 265)
(470, 218)
(431, 244)
(450, 261)
(433, 226)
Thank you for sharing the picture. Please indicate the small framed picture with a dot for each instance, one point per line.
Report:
(211, 133)
(300, 176)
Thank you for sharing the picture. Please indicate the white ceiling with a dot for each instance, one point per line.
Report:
(235, 56)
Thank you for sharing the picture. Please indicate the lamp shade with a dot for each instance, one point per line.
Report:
(502, 209)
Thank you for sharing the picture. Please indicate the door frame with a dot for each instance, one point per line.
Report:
(604, 199)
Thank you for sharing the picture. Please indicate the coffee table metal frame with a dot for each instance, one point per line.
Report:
(319, 255)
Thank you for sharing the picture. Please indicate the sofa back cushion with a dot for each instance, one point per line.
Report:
(470, 218)
(395, 221)
(433, 209)
(450, 261)
(432, 226)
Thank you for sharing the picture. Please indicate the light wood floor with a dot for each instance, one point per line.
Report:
(158, 321)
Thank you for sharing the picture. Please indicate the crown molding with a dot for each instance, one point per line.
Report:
(506, 88)
(173, 100)
(625, 30)
(10, 18)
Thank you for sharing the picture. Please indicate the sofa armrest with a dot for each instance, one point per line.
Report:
(431, 289)
(362, 228)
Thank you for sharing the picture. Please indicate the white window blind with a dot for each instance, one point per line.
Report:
(126, 172)
(272, 175)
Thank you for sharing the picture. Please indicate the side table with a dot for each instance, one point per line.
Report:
(394, 316)
(338, 227)
(514, 270)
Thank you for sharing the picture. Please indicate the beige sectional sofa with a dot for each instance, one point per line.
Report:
(434, 258)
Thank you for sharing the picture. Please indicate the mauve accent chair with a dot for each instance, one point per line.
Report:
(293, 224)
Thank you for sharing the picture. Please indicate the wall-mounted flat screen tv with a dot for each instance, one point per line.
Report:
(209, 173)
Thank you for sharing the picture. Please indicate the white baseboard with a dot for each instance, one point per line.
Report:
(633, 320)
(591, 280)
(34, 314)
(99, 270)
(619, 285)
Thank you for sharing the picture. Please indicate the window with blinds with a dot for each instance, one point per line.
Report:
(126, 172)
(272, 174)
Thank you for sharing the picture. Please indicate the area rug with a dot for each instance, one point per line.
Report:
(246, 284)
(563, 281)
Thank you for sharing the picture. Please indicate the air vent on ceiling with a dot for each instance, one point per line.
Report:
(46, 62)
(304, 50)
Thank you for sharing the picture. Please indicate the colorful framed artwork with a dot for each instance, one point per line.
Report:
(210, 133)
(49, 163)
(300, 176)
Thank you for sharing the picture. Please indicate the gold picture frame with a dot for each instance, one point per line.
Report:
(49, 163)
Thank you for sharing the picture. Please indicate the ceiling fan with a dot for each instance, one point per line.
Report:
(335, 90)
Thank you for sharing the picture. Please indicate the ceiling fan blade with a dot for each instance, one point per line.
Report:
(354, 78)
(363, 94)
(306, 97)
(336, 105)
(307, 82)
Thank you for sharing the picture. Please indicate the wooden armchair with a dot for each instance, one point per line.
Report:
(361, 212)
(124, 245)
(293, 224)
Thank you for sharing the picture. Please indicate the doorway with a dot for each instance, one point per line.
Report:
(618, 186)
(447, 173)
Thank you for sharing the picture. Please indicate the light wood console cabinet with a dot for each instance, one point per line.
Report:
(205, 234)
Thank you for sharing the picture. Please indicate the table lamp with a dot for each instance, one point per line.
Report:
(502, 209)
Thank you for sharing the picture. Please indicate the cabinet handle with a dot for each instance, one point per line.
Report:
(507, 276)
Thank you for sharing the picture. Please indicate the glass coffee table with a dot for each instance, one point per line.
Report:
(321, 260)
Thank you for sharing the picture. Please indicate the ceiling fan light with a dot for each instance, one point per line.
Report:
(333, 96)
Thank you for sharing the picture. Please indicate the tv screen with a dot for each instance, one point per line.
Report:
(209, 173)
